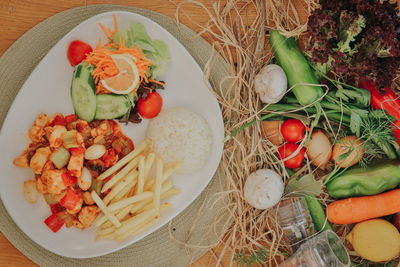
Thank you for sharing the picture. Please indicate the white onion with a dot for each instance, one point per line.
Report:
(85, 180)
(95, 152)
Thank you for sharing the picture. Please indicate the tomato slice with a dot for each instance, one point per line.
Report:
(150, 107)
(77, 52)
(54, 222)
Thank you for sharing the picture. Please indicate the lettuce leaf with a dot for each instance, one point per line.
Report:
(155, 50)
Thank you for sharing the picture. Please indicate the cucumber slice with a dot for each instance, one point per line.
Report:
(111, 106)
(83, 92)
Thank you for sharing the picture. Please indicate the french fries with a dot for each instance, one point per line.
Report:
(133, 202)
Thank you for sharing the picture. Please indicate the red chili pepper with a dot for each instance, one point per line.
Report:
(68, 179)
(70, 200)
(56, 208)
(71, 118)
(387, 101)
(54, 222)
(59, 120)
(75, 151)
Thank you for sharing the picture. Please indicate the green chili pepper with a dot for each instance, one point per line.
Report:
(358, 181)
(296, 68)
(317, 213)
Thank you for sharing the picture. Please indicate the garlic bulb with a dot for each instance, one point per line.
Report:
(271, 84)
(263, 188)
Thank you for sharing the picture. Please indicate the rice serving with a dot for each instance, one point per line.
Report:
(181, 135)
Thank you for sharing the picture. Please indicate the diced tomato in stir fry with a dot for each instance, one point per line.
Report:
(56, 208)
(59, 120)
(71, 118)
(69, 179)
(75, 151)
(70, 200)
(54, 222)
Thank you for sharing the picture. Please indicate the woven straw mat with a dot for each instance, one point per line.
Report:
(158, 248)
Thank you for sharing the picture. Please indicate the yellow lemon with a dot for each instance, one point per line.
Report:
(128, 77)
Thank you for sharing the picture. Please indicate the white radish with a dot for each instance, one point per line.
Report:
(30, 192)
(263, 188)
(319, 149)
(95, 152)
(271, 84)
(85, 180)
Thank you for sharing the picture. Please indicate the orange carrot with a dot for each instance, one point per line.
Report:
(357, 209)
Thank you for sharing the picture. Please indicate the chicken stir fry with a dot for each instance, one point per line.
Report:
(66, 155)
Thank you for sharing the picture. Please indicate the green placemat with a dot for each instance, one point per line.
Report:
(159, 248)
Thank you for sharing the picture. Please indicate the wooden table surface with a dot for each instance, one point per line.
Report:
(18, 16)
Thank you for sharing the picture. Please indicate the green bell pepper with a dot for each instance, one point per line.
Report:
(296, 68)
(358, 181)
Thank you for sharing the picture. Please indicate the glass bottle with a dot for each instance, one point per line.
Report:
(295, 221)
(325, 249)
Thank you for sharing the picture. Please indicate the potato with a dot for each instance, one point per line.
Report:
(375, 240)
(30, 192)
(271, 131)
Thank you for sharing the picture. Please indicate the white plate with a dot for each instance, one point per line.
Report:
(47, 90)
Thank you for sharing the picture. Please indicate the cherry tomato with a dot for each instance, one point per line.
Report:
(287, 150)
(150, 107)
(77, 52)
(293, 130)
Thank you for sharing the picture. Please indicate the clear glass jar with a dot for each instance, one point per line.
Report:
(295, 221)
(325, 249)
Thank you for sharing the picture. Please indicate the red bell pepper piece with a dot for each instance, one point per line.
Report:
(59, 120)
(54, 222)
(56, 208)
(386, 100)
(68, 179)
(70, 200)
(75, 151)
(71, 118)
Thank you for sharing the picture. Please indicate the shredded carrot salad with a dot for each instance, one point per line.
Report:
(105, 65)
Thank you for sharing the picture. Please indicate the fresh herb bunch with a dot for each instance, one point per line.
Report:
(356, 39)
